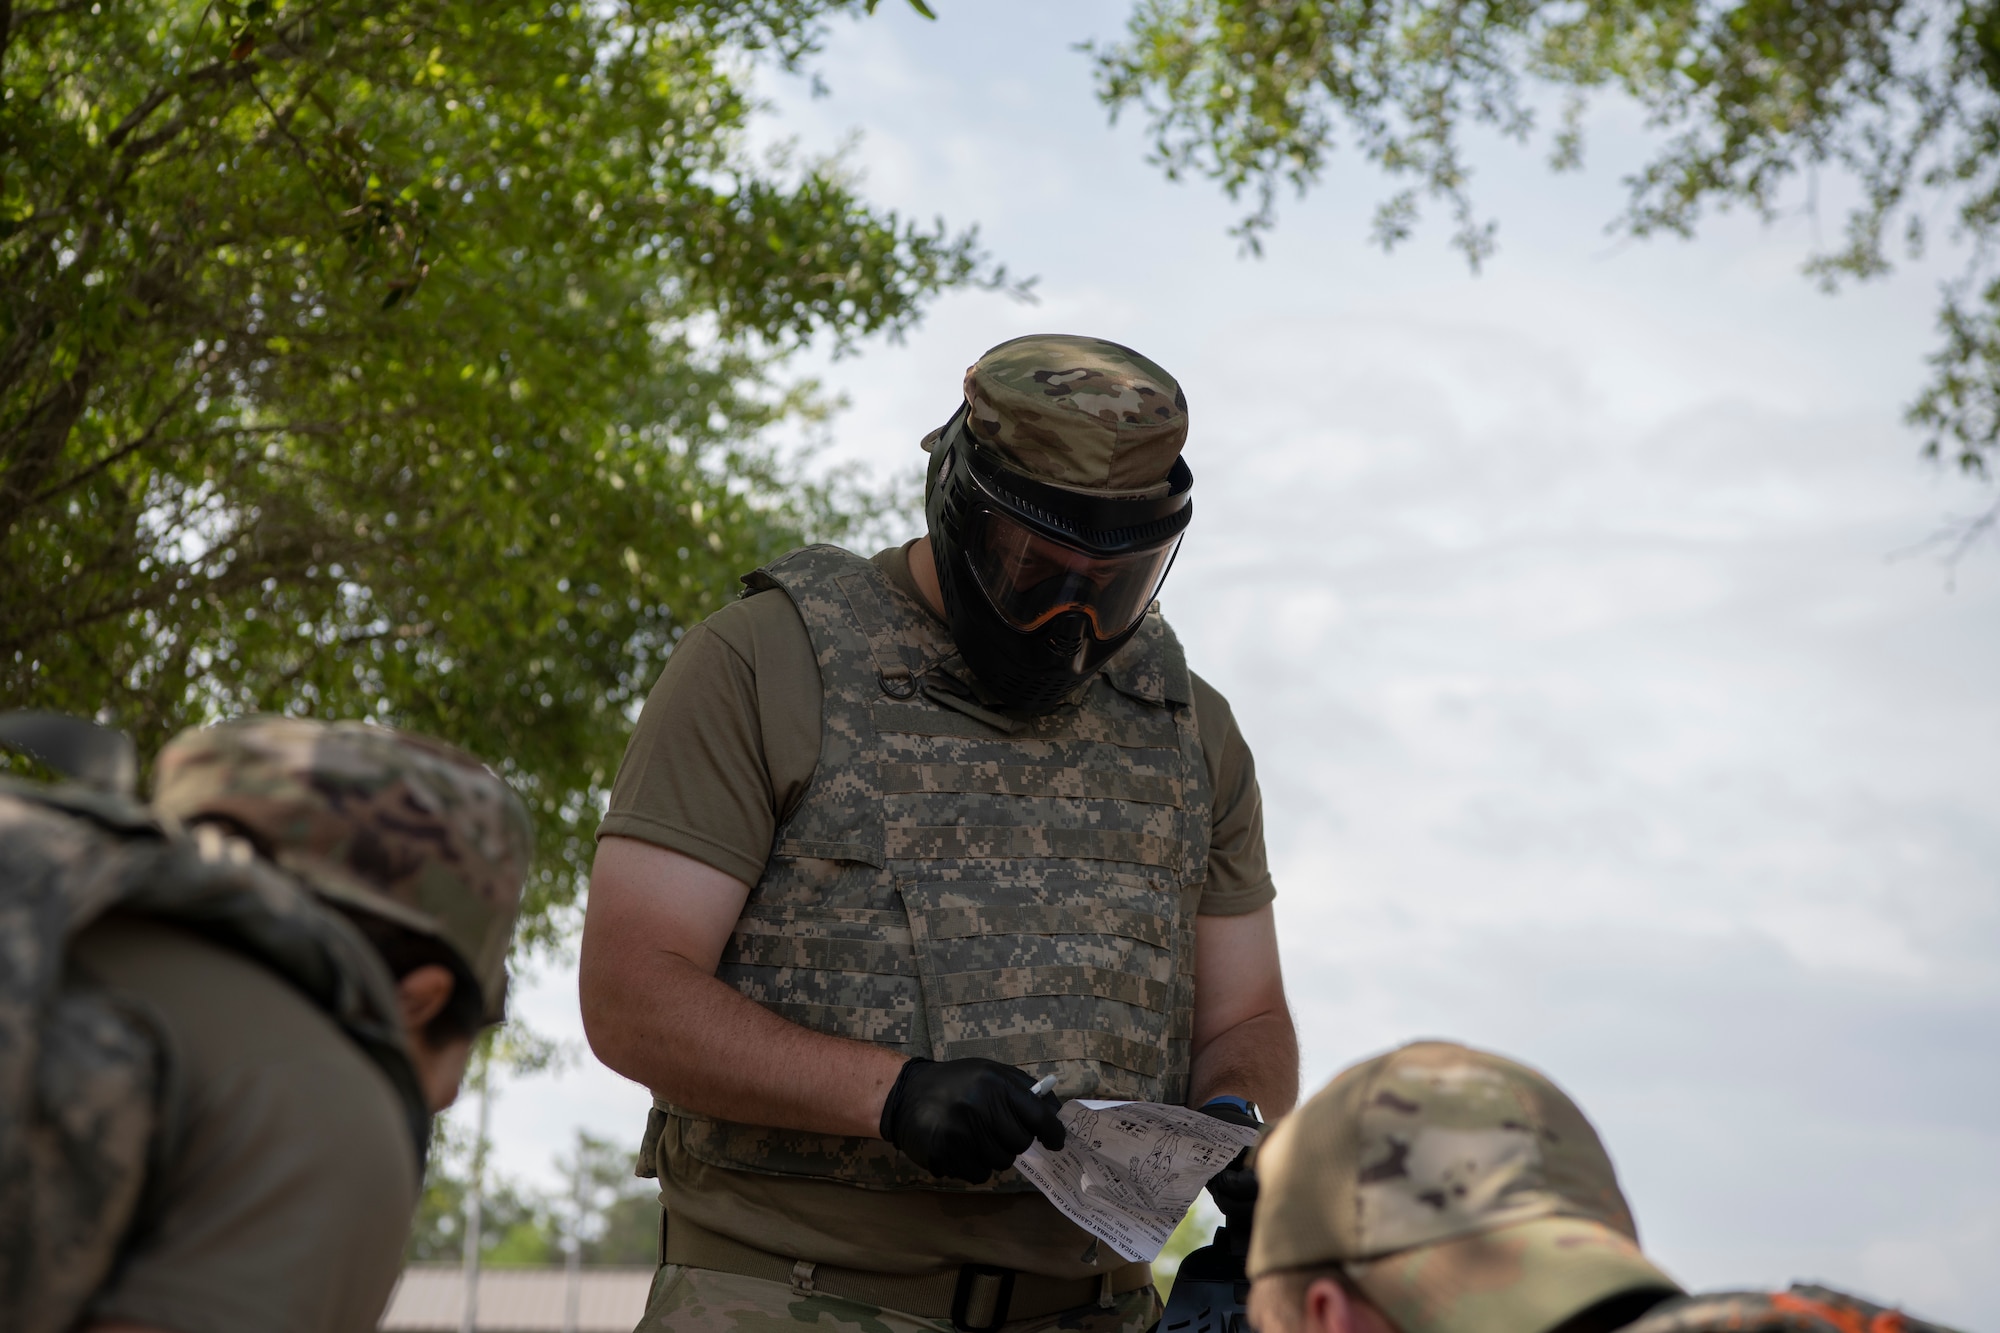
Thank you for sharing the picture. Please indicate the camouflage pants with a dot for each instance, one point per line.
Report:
(702, 1300)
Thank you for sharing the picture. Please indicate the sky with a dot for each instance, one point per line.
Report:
(1608, 709)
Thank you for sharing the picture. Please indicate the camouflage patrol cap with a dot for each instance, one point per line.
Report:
(399, 825)
(1078, 411)
(1460, 1191)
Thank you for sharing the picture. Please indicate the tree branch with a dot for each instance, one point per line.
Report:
(38, 441)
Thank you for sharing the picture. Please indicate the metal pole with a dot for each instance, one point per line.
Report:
(468, 1316)
(573, 1262)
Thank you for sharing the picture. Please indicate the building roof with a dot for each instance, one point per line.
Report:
(429, 1298)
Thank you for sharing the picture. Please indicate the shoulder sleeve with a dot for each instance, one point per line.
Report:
(727, 742)
(285, 1195)
(1239, 878)
(287, 1209)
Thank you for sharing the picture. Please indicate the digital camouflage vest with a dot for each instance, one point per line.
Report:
(82, 1076)
(959, 883)
(1803, 1309)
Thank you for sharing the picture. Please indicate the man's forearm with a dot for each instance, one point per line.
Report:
(1257, 1059)
(656, 924)
(699, 1043)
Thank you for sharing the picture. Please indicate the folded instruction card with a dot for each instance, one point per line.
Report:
(1131, 1170)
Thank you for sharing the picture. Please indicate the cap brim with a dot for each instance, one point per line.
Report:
(1524, 1278)
(337, 885)
(330, 881)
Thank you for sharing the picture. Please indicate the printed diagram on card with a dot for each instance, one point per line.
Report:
(1131, 1170)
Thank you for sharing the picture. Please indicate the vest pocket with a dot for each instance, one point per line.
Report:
(1077, 976)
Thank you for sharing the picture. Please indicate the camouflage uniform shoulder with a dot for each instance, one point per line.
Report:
(750, 622)
(1803, 1309)
(820, 558)
(69, 855)
(81, 1073)
(80, 1076)
(118, 814)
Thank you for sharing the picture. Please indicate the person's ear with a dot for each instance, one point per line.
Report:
(424, 992)
(1327, 1308)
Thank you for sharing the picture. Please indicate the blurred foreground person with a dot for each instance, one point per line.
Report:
(227, 1018)
(895, 838)
(1438, 1189)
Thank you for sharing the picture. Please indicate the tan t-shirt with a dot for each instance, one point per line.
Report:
(723, 752)
(289, 1176)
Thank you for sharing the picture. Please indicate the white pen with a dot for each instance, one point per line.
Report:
(1042, 1085)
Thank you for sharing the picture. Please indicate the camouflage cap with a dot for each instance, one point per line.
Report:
(1078, 411)
(399, 825)
(1460, 1191)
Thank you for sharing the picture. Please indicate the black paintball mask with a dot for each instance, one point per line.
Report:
(1043, 583)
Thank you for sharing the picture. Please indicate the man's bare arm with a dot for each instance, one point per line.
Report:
(1244, 1042)
(653, 1010)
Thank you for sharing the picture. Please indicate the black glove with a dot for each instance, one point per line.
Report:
(1234, 1188)
(968, 1118)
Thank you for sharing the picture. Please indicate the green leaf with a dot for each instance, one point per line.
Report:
(240, 468)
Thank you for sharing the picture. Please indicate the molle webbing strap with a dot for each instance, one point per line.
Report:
(900, 660)
(949, 887)
(1030, 780)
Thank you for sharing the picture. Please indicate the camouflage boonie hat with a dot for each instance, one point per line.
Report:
(1460, 1191)
(1078, 411)
(399, 825)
